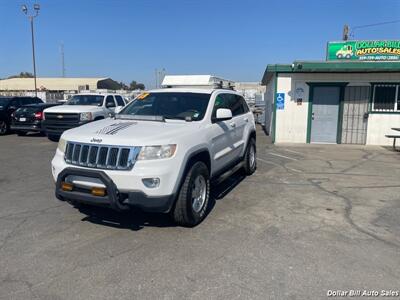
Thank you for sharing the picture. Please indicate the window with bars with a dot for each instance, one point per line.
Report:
(386, 98)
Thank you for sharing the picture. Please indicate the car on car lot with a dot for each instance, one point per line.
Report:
(29, 118)
(78, 110)
(160, 153)
(8, 105)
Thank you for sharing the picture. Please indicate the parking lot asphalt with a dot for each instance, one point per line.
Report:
(312, 218)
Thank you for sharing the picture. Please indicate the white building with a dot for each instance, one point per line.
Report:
(54, 88)
(332, 102)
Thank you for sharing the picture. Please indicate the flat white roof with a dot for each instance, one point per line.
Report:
(193, 80)
(53, 84)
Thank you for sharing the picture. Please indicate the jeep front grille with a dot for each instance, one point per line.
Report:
(101, 156)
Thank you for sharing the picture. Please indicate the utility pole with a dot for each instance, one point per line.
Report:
(62, 60)
(345, 32)
(156, 73)
(36, 8)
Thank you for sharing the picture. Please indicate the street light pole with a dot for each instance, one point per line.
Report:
(36, 8)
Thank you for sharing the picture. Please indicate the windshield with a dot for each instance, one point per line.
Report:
(181, 106)
(4, 102)
(86, 100)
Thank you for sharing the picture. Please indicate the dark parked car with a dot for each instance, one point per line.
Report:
(8, 105)
(28, 118)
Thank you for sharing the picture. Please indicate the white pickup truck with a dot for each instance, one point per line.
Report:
(160, 153)
(80, 109)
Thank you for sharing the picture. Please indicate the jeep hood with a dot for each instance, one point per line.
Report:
(131, 132)
(72, 109)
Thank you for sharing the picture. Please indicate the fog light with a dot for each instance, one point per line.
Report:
(96, 191)
(65, 186)
(151, 182)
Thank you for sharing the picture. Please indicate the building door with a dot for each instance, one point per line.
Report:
(325, 113)
(355, 115)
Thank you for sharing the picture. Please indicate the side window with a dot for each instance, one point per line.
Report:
(37, 100)
(120, 101)
(220, 102)
(15, 103)
(236, 105)
(27, 100)
(244, 104)
(110, 101)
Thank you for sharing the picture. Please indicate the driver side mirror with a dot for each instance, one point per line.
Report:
(223, 114)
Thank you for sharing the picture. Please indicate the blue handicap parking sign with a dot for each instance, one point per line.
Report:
(280, 100)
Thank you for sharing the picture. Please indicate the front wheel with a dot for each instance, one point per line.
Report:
(4, 128)
(191, 205)
(250, 157)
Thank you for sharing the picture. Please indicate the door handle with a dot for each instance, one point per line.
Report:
(232, 124)
(312, 116)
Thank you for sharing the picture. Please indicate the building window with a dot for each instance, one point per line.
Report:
(386, 98)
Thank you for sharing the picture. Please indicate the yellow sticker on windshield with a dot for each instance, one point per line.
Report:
(142, 96)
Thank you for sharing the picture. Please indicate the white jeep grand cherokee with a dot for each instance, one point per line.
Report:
(159, 153)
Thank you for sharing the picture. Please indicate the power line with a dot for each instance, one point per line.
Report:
(372, 25)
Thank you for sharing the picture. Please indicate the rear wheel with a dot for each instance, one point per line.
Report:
(4, 128)
(250, 157)
(191, 205)
(53, 138)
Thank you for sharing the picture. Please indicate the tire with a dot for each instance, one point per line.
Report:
(188, 211)
(4, 128)
(21, 133)
(339, 56)
(53, 138)
(348, 56)
(250, 157)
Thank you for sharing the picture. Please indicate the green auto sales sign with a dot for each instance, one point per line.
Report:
(384, 50)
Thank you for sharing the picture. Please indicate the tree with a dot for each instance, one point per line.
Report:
(140, 86)
(22, 75)
(136, 86)
(123, 86)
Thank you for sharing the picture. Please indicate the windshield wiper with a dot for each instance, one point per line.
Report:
(174, 117)
(140, 118)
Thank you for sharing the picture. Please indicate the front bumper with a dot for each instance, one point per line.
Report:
(113, 198)
(57, 128)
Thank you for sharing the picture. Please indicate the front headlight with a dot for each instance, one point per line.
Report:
(86, 116)
(156, 152)
(62, 145)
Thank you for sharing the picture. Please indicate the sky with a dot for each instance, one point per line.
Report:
(128, 39)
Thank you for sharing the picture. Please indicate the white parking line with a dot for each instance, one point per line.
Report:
(292, 151)
(268, 162)
(283, 156)
(278, 165)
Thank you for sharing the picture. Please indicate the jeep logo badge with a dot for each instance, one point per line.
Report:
(60, 117)
(94, 140)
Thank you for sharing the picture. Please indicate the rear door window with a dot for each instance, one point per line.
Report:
(244, 104)
(120, 101)
(110, 101)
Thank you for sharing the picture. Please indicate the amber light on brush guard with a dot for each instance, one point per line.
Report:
(65, 186)
(96, 191)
